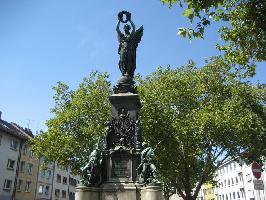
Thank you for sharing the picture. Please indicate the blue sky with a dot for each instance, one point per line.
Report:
(45, 41)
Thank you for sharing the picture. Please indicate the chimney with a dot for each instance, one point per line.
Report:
(0, 115)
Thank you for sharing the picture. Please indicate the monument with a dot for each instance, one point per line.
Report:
(123, 168)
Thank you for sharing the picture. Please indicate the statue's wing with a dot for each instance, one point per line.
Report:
(138, 34)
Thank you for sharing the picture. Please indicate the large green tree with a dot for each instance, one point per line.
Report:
(243, 28)
(79, 120)
(194, 118)
(197, 118)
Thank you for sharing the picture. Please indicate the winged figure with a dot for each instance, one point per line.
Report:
(128, 43)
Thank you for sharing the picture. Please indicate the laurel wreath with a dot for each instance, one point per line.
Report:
(121, 14)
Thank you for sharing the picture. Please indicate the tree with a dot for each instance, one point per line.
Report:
(193, 118)
(79, 120)
(197, 118)
(243, 31)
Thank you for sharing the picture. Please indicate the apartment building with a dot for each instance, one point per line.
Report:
(235, 182)
(21, 175)
(56, 182)
(64, 183)
(11, 142)
(44, 186)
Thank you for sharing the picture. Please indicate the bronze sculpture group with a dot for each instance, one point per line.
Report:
(123, 132)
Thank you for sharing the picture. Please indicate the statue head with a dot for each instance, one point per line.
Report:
(127, 29)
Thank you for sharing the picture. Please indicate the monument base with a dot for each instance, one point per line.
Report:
(119, 191)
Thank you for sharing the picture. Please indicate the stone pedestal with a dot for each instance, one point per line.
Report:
(121, 156)
(151, 193)
(87, 193)
(119, 191)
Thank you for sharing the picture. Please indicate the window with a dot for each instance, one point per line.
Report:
(28, 186)
(57, 192)
(58, 178)
(234, 195)
(236, 180)
(238, 195)
(232, 181)
(48, 174)
(42, 173)
(7, 184)
(228, 182)
(30, 153)
(63, 194)
(20, 182)
(10, 164)
(70, 181)
(13, 144)
(64, 180)
(249, 178)
(22, 166)
(242, 192)
(30, 166)
(41, 188)
(25, 149)
(47, 188)
(240, 177)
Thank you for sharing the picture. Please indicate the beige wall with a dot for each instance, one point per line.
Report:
(28, 169)
(45, 181)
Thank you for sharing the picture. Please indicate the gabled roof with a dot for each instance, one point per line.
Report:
(15, 130)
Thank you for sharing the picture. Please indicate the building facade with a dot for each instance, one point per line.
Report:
(44, 185)
(64, 183)
(11, 142)
(21, 175)
(236, 182)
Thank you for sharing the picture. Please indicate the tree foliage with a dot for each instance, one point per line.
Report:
(196, 118)
(243, 32)
(79, 120)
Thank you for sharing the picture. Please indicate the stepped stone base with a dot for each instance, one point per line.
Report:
(120, 191)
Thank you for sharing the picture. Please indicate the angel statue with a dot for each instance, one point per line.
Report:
(128, 43)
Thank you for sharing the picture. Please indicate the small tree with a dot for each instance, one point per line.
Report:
(196, 118)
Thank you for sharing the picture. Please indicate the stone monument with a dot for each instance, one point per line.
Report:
(123, 169)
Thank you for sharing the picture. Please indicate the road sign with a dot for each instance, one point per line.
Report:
(258, 184)
(256, 169)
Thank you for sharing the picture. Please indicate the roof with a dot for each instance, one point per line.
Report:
(15, 130)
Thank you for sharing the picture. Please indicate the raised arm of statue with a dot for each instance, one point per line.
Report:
(118, 30)
(133, 26)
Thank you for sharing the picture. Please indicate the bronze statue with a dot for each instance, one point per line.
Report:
(147, 171)
(91, 173)
(128, 43)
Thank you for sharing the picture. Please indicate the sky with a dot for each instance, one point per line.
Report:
(46, 41)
